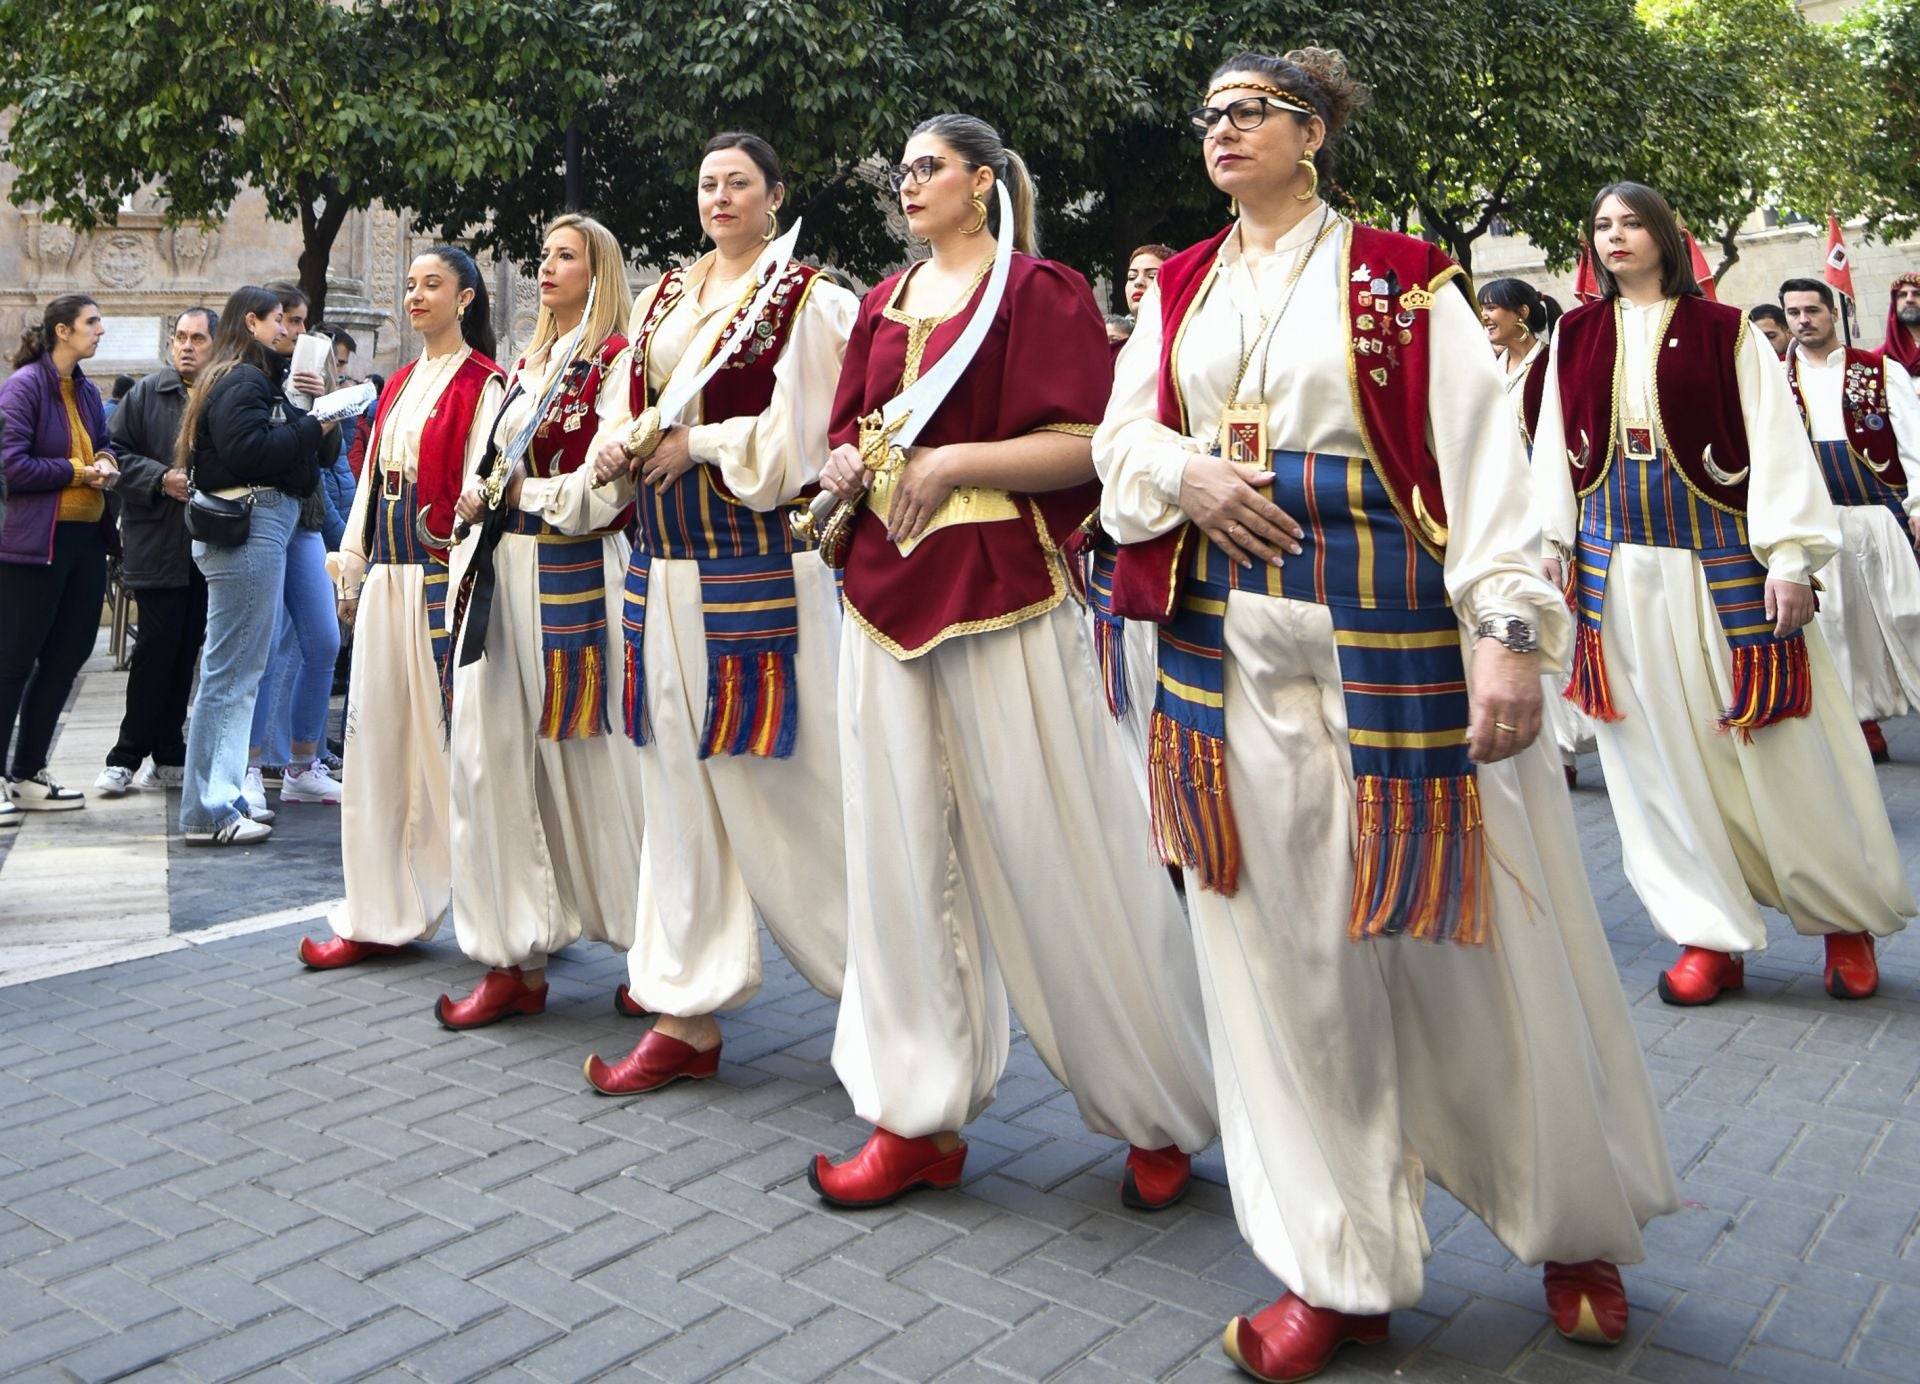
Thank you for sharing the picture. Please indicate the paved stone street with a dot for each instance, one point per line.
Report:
(215, 1165)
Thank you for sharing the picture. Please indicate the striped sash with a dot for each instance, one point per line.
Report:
(1851, 481)
(396, 544)
(1646, 503)
(1109, 630)
(750, 609)
(1420, 860)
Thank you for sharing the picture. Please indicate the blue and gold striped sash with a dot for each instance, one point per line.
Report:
(693, 519)
(573, 628)
(1109, 630)
(1646, 503)
(750, 609)
(1851, 482)
(1420, 859)
(396, 544)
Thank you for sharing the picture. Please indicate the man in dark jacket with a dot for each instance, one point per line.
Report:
(158, 567)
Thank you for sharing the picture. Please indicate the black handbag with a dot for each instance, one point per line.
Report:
(216, 521)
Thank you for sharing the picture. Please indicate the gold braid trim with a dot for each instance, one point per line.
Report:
(1071, 429)
(1286, 98)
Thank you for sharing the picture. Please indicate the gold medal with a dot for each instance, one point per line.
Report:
(1243, 436)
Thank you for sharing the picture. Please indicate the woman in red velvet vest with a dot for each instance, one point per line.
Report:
(1321, 494)
(994, 834)
(725, 691)
(546, 799)
(1694, 513)
(391, 576)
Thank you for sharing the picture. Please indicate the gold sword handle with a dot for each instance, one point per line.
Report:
(827, 521)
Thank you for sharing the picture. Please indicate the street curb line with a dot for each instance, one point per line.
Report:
(179, 941)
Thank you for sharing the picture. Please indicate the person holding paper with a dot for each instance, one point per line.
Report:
(390, 574)
(996, 841)
(732, 626)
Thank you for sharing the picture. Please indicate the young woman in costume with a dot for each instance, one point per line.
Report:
(391, 578)
(995, 844)
(546, 800)
(1322, 496)
(1688, 496)
(732, 628)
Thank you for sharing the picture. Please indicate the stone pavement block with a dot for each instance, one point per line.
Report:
(42, 1340)
(1787, 1367)
(308, 1241)
(748, 1289)
(369, 1347)
(1155, 1342)
(708, 1349)
(1810, 1323)
(887, 1301)
(92, 1252)
(1093, 1294)
(131, 1352)
(474, 1254)
(509, 1335)
(823, 1345)
(1046, 1342)
(238, 1353)
(565, 1303)
(804, 1240)
(999, 1242)
(890, 1247)
(1707, 1327)
(944, 1338)
(611, 1340)
(114, 1299)
(1491, 1334)
(373, 1254)
(980, 1294)
(329, 1294)
(221, 1296)
(447, 1298)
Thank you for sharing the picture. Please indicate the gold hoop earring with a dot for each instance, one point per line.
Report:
(773, 227)
(979, 219)
(1313, 187)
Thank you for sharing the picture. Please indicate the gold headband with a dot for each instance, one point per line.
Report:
(1286, 98)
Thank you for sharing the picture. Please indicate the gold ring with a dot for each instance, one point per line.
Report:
(1231, 529)
(1502, 725)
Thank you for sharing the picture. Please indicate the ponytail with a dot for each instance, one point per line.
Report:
(979, 144)
(37, 340)
(476, 323)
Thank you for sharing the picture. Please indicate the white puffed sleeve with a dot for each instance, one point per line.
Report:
(1903, 408)
(1140, 459)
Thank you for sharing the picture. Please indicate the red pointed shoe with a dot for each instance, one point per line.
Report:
(1587, 1301)
(1852, 973)
(626, 1006)
(336, 952)
(499, 995)
(886, 1168)
(1573, 775)
(655, 1060)
(1876, 742)
(1291, 1340)
(1700, 975)
(1155, 1178)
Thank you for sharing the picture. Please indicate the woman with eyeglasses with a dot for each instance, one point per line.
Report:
(1684, 488)
(546, 801)
(994, 839)
(390, 575)
(1323, 498)
(732, 627)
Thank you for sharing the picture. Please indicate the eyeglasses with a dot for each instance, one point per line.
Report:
(919, 171)
(1248, 113)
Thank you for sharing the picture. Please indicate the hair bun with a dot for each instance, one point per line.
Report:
(1328, 68)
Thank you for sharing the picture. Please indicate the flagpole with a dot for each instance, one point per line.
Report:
(1846, 321)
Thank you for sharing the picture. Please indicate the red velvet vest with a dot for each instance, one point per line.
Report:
(443, 441)
(1696, 395)
(744, 385)
(1390, 281)
(1863, 406)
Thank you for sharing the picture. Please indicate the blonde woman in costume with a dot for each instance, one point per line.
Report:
(546, 800)
(995, 843)
(732, 631)
(390, 575)
(1320, 489)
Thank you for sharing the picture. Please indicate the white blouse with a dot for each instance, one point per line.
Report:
(1791, 523)
(1493, 550)
(571, 503)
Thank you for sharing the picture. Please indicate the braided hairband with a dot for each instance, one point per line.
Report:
(1286, 98)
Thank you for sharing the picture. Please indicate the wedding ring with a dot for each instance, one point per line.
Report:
(1502, 725)
(1232, 529)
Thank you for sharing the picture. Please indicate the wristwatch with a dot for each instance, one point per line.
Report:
(1511, 631)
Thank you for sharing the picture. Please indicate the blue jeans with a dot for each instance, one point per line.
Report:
(298, 686)
(244, 596)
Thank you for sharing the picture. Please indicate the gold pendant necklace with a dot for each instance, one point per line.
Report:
(1243, 427)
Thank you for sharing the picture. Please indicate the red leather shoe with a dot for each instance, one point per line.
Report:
(499, 995)
(335, 952)
(1291, 1340)
(1876, 742)
(1155, 1178)
(1587, 1301)
(886, 1167)
(1573, 775)
(655, 1060)
(1852, 973)
(1700, 975)
(625, 1006)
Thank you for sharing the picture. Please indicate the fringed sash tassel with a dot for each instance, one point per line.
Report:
(1420, 869)
(1771, 682)
(1110, 645)
(1192, 814)
(1587, 689)
(574, 704)
(751, 707)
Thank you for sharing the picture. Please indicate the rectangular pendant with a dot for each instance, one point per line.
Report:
(1638, 438)
(390, 483)
(1243, 436)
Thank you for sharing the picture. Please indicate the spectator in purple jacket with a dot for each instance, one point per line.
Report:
(53, 550)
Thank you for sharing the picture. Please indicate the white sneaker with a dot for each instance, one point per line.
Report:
(114, 781)
(238, 832)
(312, 784)
(43, 793)
(256, 795)
(161, 776)
(9, 814)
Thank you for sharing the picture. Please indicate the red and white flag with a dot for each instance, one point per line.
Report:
(1586, 284)
(1702, 271)
(1838, 270)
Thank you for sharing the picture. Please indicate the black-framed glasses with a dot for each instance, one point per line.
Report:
(920, 171)
(1248, 113)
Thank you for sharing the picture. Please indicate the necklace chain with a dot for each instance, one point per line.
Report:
(1271, 322)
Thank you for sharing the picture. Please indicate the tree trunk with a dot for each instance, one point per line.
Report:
(322, 212)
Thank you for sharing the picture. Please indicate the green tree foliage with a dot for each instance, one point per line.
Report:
(322, 107)
(1880, 42)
